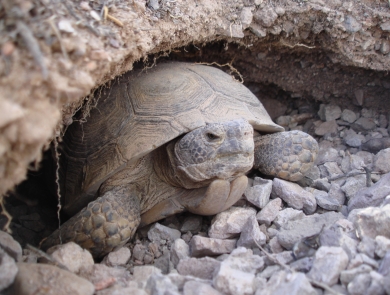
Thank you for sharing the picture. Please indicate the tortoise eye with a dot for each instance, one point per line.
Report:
(212, 136)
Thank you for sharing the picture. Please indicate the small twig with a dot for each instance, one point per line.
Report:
(50, 20)
(6, 214)
(350, 174)
(323, 286)
(297, 45)
(115, 20)
(368, 174)
(33, 46)
(47, 257)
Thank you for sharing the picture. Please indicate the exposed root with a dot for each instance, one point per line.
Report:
(233, 69)
(7, 216)
(57, 180)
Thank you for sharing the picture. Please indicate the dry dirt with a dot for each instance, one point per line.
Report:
(53, 53)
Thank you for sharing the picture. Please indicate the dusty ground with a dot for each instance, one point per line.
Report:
(53, 53)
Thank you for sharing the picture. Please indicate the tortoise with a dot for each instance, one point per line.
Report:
(179, 137)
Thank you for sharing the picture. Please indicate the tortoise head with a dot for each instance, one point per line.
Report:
(215, 151)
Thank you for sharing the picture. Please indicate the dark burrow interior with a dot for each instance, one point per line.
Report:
(287, 81)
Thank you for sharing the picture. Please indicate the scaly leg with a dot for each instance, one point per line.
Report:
(288, 155)
(105, 224)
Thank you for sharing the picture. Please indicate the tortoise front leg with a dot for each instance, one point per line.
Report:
(217, 197)
(288, 155)
(105, 224)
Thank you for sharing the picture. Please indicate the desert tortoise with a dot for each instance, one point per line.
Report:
(177, 137)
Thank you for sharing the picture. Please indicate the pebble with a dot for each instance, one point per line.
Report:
(348, 116)
(328, 264)
(259, 193)
(161, 285)
(286, 215)
(179, 251)
(382, 246)
(329, 112)
(10, 246)
(203, 268)
(324, 200)
(382, 161)
(229, 223)
(72, 256)
(363, 124)
(294, 195)
(295, 230)
(269, 212)
(328, 127)
(372, 221)
(119, 257)
(375, 145)
(159, 232)
(266, 16)
(139, 252)
(353, 185)
(282, 283)
(251, 234)
(346, 276)
(202, 246)
(141, 274)
(198, 288)
(384, 267)
(8, 270)
(192, 224)
(352, 139)
(236, 274)
(33, 277)
(351, 25)
(371, 196)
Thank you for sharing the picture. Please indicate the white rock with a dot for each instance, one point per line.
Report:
(203, 268)
(8, 270)
(119, 257)
(382, 246)
(286, 215)
(294, 195)
(251, 234)
(179, 250)
(202, 246)
(372, 221)
(382, 161)
(269, 212)
(229, 223)
(141, 274)
(259, 193)
(159, 232)
(328, 263)
(72, 256)
(348, 116)
(198, 288)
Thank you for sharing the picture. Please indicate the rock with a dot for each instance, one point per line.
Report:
(351, 138)
(236, 273)
(367, 246)
(352, 162)
(259, 193)
(286, 215)
(326, 154)
(72, 256)
(198, 288)
(153, 4)
(33, 278)
(323, 200)
(269, 271)
(284, 257)
(269, 212)
(336, 237)
(161, 285)
(179, 250)
(159, 232)
(192, 224)
(328, 264)
(382, 246)
(99, 273)
(322, 184)
(351, 25)
(353, 185)
(332, 170)
(359, 284)
(246, 17)
(10, 246)
(203, 268)
(119, 257)
(119, 290)
(282, 283)
(329, 112)
(266, 16)
(294, 195)
(348, 116)
(384, 267)
(346, 276)
(382, 161)
(141, 274)
(164, 262)
(302, 265)
(139, 251)
(376, 144)
(251, 234)
(363, 124)
(371, 196)
(274, 245)
(329, 127)
(8, 270)
(202, 246)
(229, 223)
(296, 230)
(372, 221)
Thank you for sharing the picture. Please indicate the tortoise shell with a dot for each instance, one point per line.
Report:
(142, 111)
